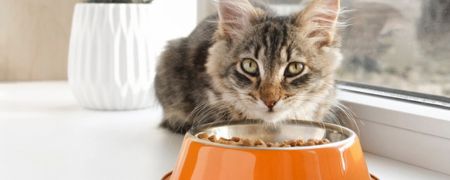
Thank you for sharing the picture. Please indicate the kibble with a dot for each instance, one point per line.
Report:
(236, 139)
(247, 142)
(225, 142)
(212, 138)
(299, 143)
(260, 143)
(203, 135)
(291, 142)
(310, 142)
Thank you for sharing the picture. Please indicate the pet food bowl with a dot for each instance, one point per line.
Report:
(341, 159)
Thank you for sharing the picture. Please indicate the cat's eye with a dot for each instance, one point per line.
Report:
(294, 69)
(249, 66)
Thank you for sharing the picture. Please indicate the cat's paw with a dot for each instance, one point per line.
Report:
(176, 126)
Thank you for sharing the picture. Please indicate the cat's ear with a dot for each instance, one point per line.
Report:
(235, 16)
(318, 22)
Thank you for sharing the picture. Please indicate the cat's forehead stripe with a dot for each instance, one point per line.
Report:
(289, 52)
(256, 50)
(274, 38)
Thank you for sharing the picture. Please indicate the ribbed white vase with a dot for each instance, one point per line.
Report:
(110, 63)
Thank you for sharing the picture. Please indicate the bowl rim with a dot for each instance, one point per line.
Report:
(346, 142)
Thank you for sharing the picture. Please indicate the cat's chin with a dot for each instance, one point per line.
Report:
(270, 117)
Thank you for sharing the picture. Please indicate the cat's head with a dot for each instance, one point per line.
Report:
(273, 67)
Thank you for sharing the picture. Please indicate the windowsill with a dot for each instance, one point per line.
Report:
(409, 132)
(385, 168)
(50, 137)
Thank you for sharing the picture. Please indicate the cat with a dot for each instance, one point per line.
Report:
(254, 64)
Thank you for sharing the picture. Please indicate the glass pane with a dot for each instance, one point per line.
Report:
(398, 44)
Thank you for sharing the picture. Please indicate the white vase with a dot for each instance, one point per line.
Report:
(110, 63)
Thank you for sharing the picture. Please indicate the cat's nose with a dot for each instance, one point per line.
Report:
(270, 103)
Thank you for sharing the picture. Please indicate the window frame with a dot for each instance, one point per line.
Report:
(409, 96)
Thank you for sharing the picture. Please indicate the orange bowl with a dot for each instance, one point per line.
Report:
(340, 159)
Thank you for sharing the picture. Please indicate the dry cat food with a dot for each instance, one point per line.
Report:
(260, 143)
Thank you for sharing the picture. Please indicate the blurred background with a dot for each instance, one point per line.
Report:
(402, 44)
(34, 39)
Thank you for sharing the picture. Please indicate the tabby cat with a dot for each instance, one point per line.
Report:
(254, 63)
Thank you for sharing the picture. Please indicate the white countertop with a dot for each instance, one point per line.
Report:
(45, 135)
